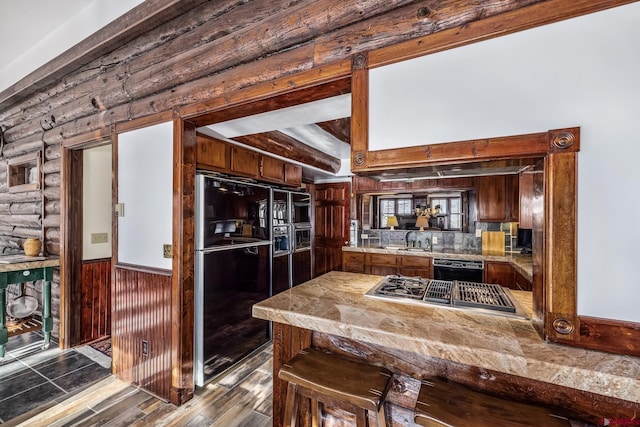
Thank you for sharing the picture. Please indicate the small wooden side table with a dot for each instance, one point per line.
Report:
(16, 269)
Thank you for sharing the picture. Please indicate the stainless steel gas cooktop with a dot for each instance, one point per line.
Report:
(482, 297)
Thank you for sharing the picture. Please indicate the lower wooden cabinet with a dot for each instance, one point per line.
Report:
(504, 274)
(385, 264)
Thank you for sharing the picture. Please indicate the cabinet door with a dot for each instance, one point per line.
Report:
(492, 202)
(293, 175)
(382, 264)
(500, 273)
(520, 282)
(211, 153)
(353, 262)
(245, 162)
(513, 202)
(272, 169)
(526, 200)
(415, 266)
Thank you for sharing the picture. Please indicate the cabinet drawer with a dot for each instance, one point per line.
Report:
(349, 257)
(415, 272)
(415, 261)
(25, 275)
(379, 259)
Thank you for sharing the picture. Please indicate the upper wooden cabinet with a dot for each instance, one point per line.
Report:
(492, 202)
(220, 156)
(272, 169)
(526, 200)
(292, 174)
(211, 153)
(497, 198)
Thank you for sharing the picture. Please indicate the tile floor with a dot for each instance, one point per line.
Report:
(31, 377)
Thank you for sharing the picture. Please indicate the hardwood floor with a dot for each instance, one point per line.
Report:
(241, 397)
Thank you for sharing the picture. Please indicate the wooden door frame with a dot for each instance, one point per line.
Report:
(69, 241)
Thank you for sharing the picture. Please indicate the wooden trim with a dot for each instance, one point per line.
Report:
(68, 243)
(131, 25)
(182, 285)
(359, 112)
(263, 95)
(144, 122)
(614, 336)
(517, 146)
(561, 246)
(143, 269)
(524, 18)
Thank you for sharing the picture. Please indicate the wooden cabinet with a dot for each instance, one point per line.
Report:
(499, 272)
(245, 162)
(497, 198)
(384, 264)
(415, 266)
(211, 153)
(520, 282)
(220, 156)
(353, 262)
(505, 275)
(271, 169)
(292, 175)
(525, 190)
(491, 193)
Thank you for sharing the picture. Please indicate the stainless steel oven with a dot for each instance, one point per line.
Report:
(458, 269)
(301, 212)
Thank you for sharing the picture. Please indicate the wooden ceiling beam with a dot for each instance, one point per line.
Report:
(285, 146)
(339, 128)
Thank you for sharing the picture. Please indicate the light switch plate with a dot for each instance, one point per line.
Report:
(99, 237)
(478, 232)
(434, 240)
(167, 251)
(119, 209)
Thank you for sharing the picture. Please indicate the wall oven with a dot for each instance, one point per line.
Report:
(458, 269)
(301, 212)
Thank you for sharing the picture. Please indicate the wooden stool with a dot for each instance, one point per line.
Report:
(442, 403)
(330, 379)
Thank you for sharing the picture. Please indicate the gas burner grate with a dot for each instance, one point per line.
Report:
(482, 295)
(401, 286)
(439, 291)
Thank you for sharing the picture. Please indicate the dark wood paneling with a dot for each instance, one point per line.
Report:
(142, 311)
(95, 313)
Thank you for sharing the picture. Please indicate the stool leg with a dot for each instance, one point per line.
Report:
(361, 417)
(291, 407)
(316, 413)
(382, 421)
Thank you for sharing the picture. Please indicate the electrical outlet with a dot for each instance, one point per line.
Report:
(434, 240)
(99, 237)
(145, 348)
(167, 251)
(478, 232)
(364, 236)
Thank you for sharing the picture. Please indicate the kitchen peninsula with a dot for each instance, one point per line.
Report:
(491, 353)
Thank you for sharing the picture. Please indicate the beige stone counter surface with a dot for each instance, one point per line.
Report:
(335, 303)
(523, 263)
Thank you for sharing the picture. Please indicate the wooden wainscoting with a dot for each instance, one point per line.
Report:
(95, 296)
(142, 314)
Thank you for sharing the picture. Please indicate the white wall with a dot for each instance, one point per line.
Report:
(96, 201)
(145, 186)
(581, 72)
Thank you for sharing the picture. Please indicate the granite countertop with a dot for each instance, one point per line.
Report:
(522, 263)
(335, 304)
(23, 262)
